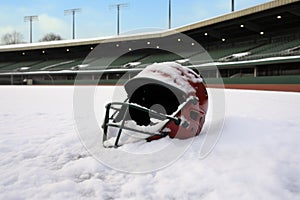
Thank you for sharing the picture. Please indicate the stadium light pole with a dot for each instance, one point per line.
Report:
(30, 19)
(232, 5)
(118, 6)
(72, 12)
(170, 12)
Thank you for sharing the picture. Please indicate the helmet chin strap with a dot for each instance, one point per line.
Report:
(157, 136)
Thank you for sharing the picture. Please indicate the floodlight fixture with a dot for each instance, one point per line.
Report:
(30, 19)
(72, 12)
(118, 6)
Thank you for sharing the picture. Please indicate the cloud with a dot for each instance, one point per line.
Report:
(50, 24)
(6, 29)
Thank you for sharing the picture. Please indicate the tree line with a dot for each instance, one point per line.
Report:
(17, 38)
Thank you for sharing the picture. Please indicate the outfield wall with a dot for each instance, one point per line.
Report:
(273, 83)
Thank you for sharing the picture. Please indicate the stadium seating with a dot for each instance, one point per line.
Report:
(67, 65)
(217, 53)
(18, 66)
(273, 49)
(45, 64)
(4, 64)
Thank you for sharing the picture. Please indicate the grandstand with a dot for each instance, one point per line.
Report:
(256, 46)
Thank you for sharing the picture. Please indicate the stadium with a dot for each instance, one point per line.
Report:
(256, 48)
(205, 111)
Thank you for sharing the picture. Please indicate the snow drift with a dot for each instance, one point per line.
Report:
(257, 156)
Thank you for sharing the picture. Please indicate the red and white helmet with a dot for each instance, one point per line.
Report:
(163, 99)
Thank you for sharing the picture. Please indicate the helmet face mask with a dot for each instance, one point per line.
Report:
(164, 99)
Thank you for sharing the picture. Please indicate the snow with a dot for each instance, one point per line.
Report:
(42, 156)
(171, 73)
(279, 58)
(237, 55)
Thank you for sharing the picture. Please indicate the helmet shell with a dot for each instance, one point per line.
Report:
(170, 85)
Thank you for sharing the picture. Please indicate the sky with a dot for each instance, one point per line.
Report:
(98, 17)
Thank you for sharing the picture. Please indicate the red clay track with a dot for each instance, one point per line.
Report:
(272, 87)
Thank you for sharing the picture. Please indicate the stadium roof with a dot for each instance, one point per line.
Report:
(261, 19)
(238, 14)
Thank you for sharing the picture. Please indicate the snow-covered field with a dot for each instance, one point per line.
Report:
(42, 157)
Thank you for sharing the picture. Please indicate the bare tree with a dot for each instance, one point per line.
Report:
(12, 38)
(50, 37)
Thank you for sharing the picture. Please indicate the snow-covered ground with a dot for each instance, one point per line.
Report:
(41, 156)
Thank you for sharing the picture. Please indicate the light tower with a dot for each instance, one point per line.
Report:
(30, 19)
(232, 5)
(118, 6)
(72, 12)
(170, 12)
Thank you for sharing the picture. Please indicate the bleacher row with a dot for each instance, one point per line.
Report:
(231, 53)
(257, 51)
